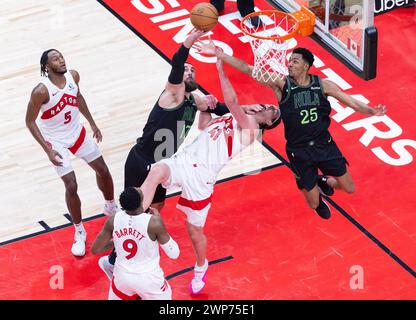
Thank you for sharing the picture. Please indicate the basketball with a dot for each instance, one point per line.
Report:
(204, 16)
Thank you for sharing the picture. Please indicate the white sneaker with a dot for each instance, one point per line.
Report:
(106, 266)
(199, 279)
(110, 209)
(78, 247)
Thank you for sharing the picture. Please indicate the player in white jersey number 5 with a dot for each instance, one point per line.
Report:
(136, 236)
(196, 167)
(59, 131)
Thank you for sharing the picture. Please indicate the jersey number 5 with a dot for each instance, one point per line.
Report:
(68, 117)
(130, 246)
(309, 115)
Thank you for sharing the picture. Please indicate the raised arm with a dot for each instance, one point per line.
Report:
(331, 89)
(175, 87)
(241, 65)
(231, 100)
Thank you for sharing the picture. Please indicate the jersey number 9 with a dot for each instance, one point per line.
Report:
(130, 246)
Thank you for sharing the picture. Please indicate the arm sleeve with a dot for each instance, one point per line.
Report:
(171, 248)
(178, 61)
(220, 109)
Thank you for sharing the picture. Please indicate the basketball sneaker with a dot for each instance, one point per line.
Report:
(106, 266)
(199, 279)
(324, 188)
(323, 209)
(78, 247)
(110, 208)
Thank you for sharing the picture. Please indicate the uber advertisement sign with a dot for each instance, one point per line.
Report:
(382, 6)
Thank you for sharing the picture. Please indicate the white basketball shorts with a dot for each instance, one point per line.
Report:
(148, 286)
(197, 185)
(83, 147)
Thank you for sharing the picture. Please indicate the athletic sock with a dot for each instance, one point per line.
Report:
(79, 228)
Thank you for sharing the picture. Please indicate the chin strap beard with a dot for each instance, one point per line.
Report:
(190, 87)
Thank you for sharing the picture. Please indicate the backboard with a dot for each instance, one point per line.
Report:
(345, 28)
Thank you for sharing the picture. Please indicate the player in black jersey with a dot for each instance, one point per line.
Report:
(305, 114)
(167, 126)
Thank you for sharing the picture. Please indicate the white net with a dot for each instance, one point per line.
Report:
(269, 54)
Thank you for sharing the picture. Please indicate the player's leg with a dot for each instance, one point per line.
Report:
(335, 171)
(158, 201)
(245, 7)
(73, 203)
(344, 182)
(312, 197)
(306, 174)
(105, 184)
(195, 202)
(91, 154)
(159, 174)
(315, 201)
(136, 170)
(199, 242)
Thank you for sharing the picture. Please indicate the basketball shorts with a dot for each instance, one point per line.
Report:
(306, 160)
(136, 169)
(145, 286)
(197, 185)
(83, 147)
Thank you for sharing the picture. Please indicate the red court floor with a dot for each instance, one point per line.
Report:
(263, 241)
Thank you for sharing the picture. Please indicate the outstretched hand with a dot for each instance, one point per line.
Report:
(211, 101)
(207, 48)
(379, 110)
(253, 108)
(54, 156)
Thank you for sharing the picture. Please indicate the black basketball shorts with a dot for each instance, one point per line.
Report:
(136, 169)
(305, 162)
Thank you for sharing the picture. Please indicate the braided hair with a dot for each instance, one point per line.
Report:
(44, 61)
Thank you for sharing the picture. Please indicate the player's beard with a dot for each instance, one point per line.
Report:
(190, 85)
(60, 71)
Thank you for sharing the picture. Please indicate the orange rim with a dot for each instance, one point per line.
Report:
(269, 13)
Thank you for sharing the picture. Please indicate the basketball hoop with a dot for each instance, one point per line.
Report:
(269, 41)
